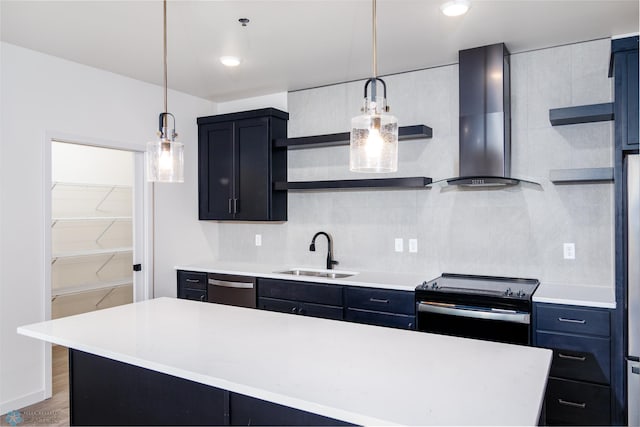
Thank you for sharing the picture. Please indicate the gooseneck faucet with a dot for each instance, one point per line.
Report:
(312, 247)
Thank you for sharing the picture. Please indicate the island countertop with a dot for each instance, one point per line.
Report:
(357, 373)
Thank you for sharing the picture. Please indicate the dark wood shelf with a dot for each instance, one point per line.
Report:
(407, 182)
(581, 176)
(581, 114)
(405, 133)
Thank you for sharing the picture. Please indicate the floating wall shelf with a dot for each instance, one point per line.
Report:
(581, 114)
(407, 182)
(581, 176)
(405, 133)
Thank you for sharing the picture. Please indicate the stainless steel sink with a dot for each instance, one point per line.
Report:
(329, 274)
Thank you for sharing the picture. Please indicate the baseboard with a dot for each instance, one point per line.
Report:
(21, 402)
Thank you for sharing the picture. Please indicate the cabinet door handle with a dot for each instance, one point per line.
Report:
(567, 356)
(572, 404)
(202, 298)
(294, 310)
(192, 280)
(235, 205)
(382, 301)
(230, 206)
(580, 321)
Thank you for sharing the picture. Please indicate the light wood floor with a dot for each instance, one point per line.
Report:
(54, 411)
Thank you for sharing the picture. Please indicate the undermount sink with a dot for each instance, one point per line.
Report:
(329, 274)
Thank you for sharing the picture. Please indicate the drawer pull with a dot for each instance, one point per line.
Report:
(193, 280)
(572, 404)
(580, 321)
(568, 356)
(382, 301)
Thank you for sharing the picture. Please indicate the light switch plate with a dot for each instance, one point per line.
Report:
(413, 245)
(399, 245)
(258, 239)
(569, 251)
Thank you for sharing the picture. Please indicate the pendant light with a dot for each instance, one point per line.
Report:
(165, 157)
(374, 134)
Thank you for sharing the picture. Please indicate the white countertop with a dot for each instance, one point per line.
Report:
(357, 373)
(386, 280)
(586, 296)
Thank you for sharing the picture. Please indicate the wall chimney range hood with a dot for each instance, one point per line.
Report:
(485, 118)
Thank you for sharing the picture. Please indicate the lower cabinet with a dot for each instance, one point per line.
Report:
(381, 307)
(108, 392)
(578, 391)
(192, 285)
(303, 298)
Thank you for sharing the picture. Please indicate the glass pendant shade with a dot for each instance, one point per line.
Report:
(165, 161)
(374, 139)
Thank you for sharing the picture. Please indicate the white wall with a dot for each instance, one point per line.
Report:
(43, 94)
(90, 165)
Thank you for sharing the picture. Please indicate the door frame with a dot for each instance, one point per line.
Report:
(142, 230)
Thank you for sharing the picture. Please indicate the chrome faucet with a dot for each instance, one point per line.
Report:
(312, 247)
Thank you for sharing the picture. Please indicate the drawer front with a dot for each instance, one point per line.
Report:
(577, 403)
(578, 357)
(319, 310)
(318, 293)
(378, 318)
(192, 280)
(192, 294)
(402, 302)
(279, 305)
(573, 320)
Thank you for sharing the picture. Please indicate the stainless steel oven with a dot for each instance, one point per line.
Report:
(482, 307)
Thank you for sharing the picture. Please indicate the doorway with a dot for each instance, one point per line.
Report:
(98, 226)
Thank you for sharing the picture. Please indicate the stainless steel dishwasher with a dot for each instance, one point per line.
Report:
(231, 290)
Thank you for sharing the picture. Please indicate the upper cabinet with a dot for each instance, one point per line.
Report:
(624, 69)
(238, 164)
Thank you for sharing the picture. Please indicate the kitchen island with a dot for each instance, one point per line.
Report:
(243, 364)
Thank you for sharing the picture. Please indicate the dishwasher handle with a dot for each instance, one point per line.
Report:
(229, 284)
(477, 313)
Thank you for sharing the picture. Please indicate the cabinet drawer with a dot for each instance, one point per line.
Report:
(302, 308)
(386, 300)
(377, 318)
(300, 291)
(577, 403)
(573, 320)
(192, 294)
(192, 280)
(578, 357)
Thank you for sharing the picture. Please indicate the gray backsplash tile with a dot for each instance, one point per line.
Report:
(518, 231)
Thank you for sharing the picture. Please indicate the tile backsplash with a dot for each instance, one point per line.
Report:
(517, 231)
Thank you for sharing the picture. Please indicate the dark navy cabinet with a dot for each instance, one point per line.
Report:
(192, 285)
(381, 307)
(238, 164)
(303, 298)
(578, 391)
(624, 69)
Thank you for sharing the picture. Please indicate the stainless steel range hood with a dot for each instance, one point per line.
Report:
(485, 118)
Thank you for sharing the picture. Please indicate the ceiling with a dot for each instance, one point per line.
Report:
(294, 44)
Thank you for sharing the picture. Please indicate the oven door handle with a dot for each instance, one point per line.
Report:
(491, 314)
(228, 284)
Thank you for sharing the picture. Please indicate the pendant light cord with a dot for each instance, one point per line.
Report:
(165, 62)
(375, 41)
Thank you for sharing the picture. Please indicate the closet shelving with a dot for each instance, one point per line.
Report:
(91, 230)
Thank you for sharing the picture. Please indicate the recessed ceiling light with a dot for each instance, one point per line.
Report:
(455, 7)
(230, 61)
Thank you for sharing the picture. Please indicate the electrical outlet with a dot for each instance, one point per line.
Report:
(258, 239)
(398, 242)
(569, 251)
(413, 245)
